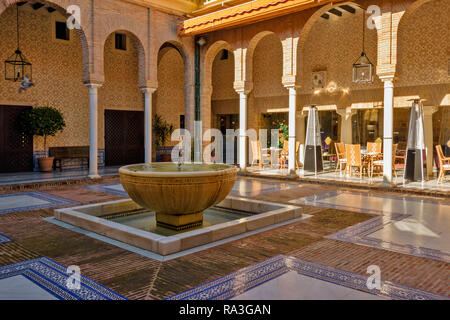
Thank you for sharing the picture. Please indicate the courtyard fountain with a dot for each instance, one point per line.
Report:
(178, 193)
(177, 206)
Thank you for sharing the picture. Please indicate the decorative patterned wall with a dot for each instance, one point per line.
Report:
(57, 73)
(424, 45)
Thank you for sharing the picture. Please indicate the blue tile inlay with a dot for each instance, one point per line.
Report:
(360, 233)
(4, 238)
(52, 277)
(111, 188)
(47, 201)
(243, 280)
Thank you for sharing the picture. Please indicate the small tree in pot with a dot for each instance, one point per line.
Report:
(43, 122)
(162, 131)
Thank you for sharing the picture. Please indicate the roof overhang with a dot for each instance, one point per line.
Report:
(245, 13)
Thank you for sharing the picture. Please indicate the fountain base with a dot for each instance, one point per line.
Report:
(179, 222)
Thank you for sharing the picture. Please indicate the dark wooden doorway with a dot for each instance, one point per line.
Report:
(124, 137)
(16, 148)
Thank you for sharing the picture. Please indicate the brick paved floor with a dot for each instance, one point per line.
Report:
(137, 277)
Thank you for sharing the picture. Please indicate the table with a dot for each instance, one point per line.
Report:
(370, 157)
(273, 152)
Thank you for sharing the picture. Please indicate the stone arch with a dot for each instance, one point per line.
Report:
(252, 45)
(208, 60)
(206, 80)
(306, 30)
(142, 60)
(171, 73)
(61, 7)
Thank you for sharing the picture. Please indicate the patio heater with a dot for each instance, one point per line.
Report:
(313, 150)
(415, 148)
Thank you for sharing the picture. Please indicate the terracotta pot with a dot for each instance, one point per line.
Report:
(166, 158)
(46, 164)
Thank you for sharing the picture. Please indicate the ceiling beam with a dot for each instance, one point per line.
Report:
(348, 8)
(335, 12)
(325, 16)
(37, 5)
(51, 10)
(21, 3)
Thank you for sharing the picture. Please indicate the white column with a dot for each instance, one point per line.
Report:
(388, 130)
(93, 130)
(300, 134)
(292, 129)
(242, 129)
(148, 122)
(346, 124)
(428, 132)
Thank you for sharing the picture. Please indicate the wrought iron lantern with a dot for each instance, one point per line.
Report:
(363, 68)
(17, 66)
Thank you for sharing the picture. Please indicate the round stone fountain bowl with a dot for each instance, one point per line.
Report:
(178, 195)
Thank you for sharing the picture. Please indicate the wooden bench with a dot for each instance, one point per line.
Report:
(61, 153)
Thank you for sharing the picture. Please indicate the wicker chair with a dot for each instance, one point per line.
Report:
(353, 152)
(379, 164)
(341, 157)
(444, 163)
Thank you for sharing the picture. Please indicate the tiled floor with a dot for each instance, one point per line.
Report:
(4, 238)
(408, 225)
(30, 201)
(33, 177)
(289, 278)
(341, 177)
(44, 279)
(140, 277)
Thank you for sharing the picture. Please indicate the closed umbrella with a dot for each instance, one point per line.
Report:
(313, 149)
(415, 148)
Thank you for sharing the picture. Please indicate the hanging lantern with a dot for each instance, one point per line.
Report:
(17, 66)
(363, 68)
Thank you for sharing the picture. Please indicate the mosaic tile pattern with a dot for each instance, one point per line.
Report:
(4, 238)
(53, 277)
(25, 201)
(246, 279)
(363, 233)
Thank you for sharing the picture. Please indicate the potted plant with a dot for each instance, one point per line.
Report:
(43, 122)
(162, 131)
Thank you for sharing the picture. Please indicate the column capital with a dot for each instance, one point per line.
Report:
(91, 85)
(347, 112)
(148, 90)
(244, 87)
(429, 110)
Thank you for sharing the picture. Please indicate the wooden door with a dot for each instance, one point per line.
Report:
(16, 148)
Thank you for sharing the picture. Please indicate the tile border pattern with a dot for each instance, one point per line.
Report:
(236, 283)
(4, 238)
(53, 201)
(360, 233)
(106, 188)
(52, 277)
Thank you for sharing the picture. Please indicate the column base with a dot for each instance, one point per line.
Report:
(293, 173)
(179, 222)
(94, 176)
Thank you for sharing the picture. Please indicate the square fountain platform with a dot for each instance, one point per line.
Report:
(126, 221)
